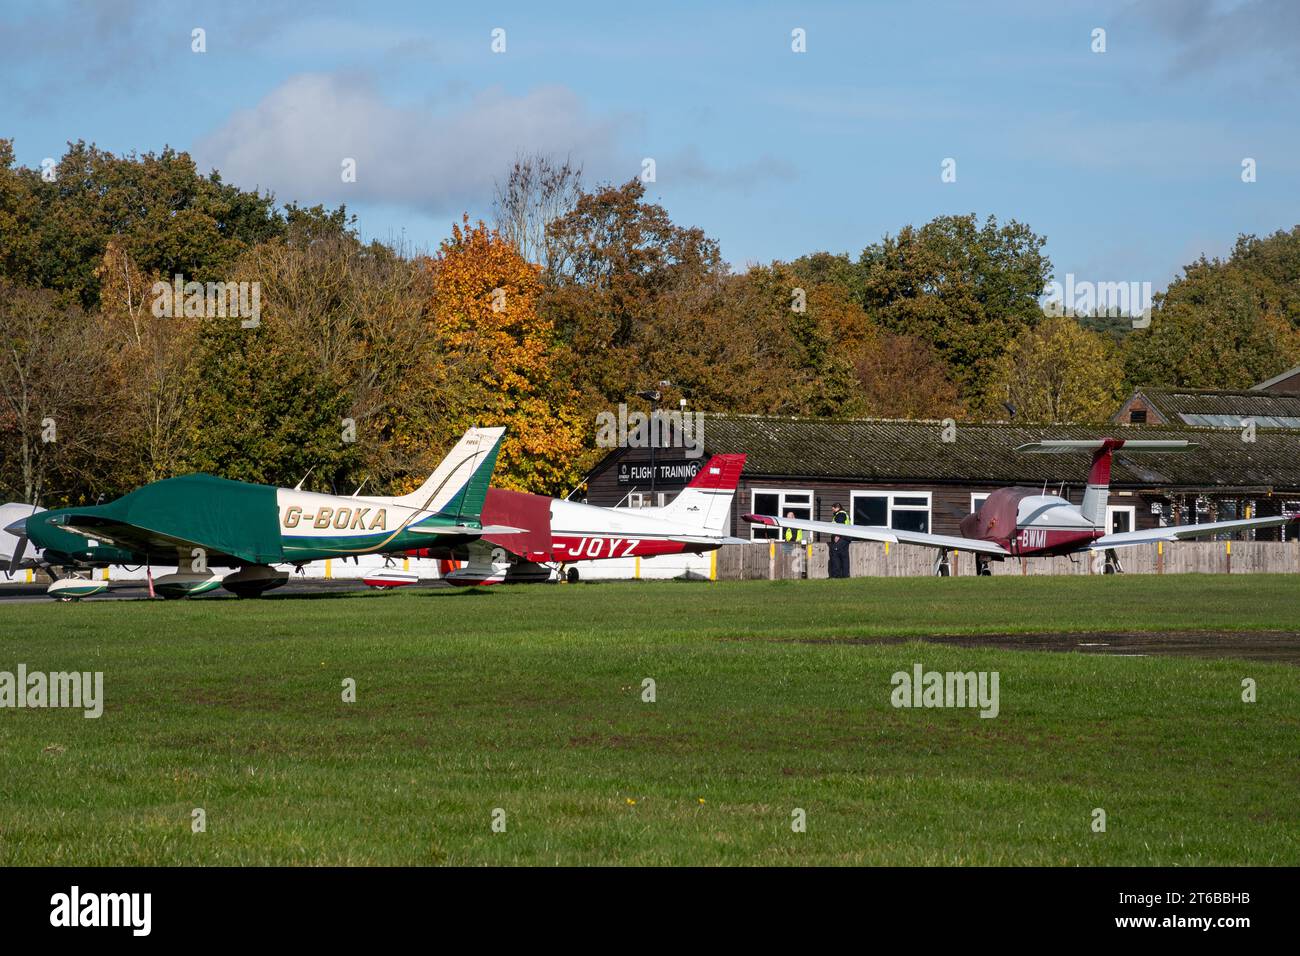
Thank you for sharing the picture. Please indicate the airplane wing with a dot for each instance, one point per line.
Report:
(1124, 539)
(890, 535)
(143, 541)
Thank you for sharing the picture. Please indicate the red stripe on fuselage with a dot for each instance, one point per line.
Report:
(1046, 542)
(570, 548)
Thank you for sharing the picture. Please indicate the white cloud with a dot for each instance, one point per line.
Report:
(437, 160)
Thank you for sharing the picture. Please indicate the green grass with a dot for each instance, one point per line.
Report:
(529, 699)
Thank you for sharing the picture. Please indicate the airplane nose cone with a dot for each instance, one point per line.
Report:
(18, 528)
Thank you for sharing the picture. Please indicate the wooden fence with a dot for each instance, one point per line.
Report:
(764, 560)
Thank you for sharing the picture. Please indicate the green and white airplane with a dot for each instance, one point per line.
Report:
(199, 522)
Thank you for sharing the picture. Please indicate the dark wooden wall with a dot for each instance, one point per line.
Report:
(949, 502)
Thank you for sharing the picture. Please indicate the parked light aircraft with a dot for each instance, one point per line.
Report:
(558, 533)
(198, 522)
(1024, 523)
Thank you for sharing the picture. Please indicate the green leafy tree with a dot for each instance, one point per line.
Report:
(1058, 372)
(964, 287)
(167, 216)
(1219, 325)
(263, 411)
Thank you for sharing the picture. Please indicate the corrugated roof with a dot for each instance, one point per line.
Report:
(885, 450)
(1246, 403)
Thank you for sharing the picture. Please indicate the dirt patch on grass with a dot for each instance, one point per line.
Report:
(1279, 647)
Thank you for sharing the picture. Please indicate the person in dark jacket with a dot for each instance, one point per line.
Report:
(839, 564)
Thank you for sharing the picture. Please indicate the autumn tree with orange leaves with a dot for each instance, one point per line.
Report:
(497, 356)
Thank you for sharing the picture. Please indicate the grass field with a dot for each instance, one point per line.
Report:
(770, 696)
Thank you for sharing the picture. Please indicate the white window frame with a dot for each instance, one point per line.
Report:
(889, 496)
(978, 498)
(759, 532)
(1132, 516)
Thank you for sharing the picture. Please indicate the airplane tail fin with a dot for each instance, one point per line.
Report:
(706, 501)
(1097, 492)
(458, 486)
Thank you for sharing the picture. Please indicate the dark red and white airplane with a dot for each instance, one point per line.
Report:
(1024, 523)
(558, 533)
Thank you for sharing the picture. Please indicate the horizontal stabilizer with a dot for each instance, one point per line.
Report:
(1062, 446)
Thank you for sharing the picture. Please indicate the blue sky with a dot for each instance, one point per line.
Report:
(1128, 161)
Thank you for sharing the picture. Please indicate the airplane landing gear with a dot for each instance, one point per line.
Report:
(942, 568)
(571, 575)
(1112, 563)
(982, 568)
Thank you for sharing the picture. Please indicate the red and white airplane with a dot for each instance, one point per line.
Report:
(1022, 523)
(558, 533)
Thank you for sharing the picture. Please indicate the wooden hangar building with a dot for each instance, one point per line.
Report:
(904, 474)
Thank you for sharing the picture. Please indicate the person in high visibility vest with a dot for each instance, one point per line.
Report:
(795, 540)
(839, 564)
(794, 536)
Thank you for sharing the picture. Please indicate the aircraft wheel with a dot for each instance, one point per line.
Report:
(572, 575)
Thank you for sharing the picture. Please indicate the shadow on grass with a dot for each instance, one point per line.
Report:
(457, 592)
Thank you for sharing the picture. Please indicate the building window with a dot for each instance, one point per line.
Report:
(1289, 508)
(1138, 416)
(1120, 518)
(778, 502)
(902, 511)
(977, 500)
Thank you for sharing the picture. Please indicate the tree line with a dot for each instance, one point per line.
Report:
(366, 361)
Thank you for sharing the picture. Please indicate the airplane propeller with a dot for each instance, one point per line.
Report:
(19, 530)
(16, 558)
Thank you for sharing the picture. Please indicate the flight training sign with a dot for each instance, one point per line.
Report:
(665, 472)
